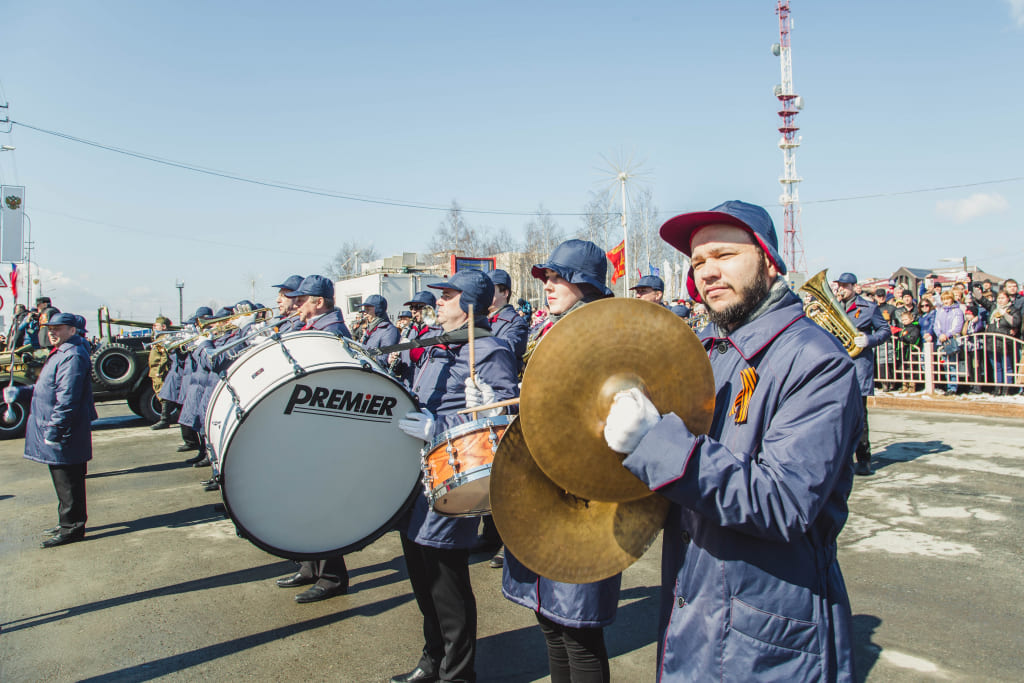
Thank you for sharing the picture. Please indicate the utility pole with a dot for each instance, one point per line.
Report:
(181, 309)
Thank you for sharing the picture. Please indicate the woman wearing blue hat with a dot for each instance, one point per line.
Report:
(571, 616)
(59, 430)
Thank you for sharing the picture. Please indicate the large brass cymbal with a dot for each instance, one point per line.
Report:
(558, 535)
(581, 363)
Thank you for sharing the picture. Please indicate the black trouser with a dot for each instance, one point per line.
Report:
(575, 655)
(69, 483)
(189, 436)
(330, 572)
(440, 582)
(864, 447)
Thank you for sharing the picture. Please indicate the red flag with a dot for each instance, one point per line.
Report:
(14, 282)
(618, 258)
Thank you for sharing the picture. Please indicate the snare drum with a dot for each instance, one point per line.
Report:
(305, 430)
(457, 467)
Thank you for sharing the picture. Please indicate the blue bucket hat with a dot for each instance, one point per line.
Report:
(679, 232)
(203, 312)
(314, 285)
(379, 303)
(847, 279)
(500, 277)
(578, 262)
(652, 281)
(291, 284)
(476, 288)
(64, 319)
(424, 297)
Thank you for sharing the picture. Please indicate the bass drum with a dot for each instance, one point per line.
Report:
(304, 429)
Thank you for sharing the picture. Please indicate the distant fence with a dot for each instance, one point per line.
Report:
(985, 360)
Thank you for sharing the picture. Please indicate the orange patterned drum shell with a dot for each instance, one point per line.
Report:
(457, 453)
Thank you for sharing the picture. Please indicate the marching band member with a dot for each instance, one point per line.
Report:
(649, 288)
(315, 301)
(404, 363)
(436, 548)
(506, 323)
(751, 588)
(159, 367)
(572, 617)
(287, 317)
(378, 331)
(176, 386)
(874, 331)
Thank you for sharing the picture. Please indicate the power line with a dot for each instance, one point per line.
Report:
(383, 201)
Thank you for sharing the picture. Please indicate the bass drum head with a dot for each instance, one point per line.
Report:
(318, 466)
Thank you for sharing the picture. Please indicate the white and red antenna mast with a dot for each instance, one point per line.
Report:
(790, 105)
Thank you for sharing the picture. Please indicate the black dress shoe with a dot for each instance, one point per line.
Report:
(498, 561)
(194, 459)
(61, 539)
(296, 579)
(315, 592)
(185, 448)
(417, 675)
(212, 486)
(159, 424)
(863, 469)
(52, 531)
(207, 482)
(204, 462)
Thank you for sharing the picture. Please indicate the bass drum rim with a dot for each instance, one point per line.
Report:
(243, 532)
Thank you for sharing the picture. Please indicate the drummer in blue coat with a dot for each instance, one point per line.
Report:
(874, 331)
(572, 617)
(378, 332)
(316, 309)
(436, 548)
(750, 587)
(59, 432)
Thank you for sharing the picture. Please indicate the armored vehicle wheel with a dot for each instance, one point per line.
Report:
(147, 403)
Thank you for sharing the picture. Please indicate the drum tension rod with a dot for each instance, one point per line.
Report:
(297, 369)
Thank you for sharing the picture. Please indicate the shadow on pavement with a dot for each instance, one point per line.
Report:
(865, 652)
(118, 422)
(175, 663)
(200, 514)
(159, 467)
(263, 573)
(906, 451)
(6, 496)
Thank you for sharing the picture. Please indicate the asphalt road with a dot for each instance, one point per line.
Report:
(162, 588)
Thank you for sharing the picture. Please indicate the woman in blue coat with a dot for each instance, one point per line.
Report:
(571, 616)
(59, 432)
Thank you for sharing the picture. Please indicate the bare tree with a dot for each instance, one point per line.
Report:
(497, 241)
(347, 260)
(455, 235)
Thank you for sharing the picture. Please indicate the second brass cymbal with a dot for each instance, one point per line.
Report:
(591, 354)
(558, 535)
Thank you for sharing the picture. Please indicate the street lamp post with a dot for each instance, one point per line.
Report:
(181, 310)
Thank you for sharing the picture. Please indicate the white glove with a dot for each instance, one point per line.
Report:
(52, 444)
(10, 394)
(418, 425)
(631, 416)
(480, 394)
(861, 341)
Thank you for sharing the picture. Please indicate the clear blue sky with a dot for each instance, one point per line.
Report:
(500, 106)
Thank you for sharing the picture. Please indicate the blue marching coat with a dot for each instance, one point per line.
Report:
(62, 408)
(751, 588)
(440, 387)
(332, 321)
(507, 324)
(867, 318)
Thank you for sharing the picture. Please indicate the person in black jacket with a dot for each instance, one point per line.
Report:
(1003, 320)
(908, 338)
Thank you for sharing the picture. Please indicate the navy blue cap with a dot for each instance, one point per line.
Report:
(679, 232)
(578, 262)
(245, 302)
(292, 283)
(681, 310)
(203, 312)
(424, 297)
(221, 312)
(405, 314)
(476, 288)
(63, 319)
(652, 281)
(500, 277)
(314, 285)
(80, 322)
(379, 303)
(847, 279)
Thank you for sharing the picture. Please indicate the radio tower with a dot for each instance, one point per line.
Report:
(790, 105)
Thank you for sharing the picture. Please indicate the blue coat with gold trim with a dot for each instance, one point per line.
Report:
(867, 318)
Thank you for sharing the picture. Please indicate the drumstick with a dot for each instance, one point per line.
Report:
(472, 354)
(499, 404)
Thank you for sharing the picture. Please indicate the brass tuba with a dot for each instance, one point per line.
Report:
(824, 309)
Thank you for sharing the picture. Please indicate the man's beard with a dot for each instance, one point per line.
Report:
(750, 297)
